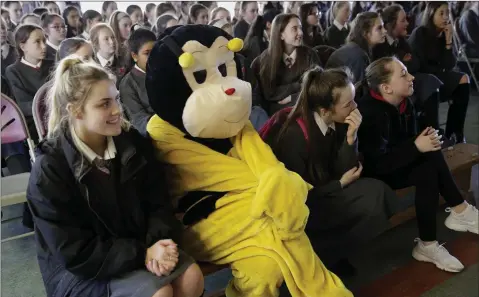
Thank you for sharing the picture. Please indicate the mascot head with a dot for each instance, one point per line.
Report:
(194, 82)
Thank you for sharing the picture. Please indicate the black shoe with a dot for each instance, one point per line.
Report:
(343, 268)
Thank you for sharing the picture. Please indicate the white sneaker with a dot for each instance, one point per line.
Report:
(468, 220)
(437, 254)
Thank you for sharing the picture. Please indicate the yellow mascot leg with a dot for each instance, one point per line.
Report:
(258, 276)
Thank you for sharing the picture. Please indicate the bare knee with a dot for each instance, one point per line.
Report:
(464, 79)
(190, 284)
(166, 291)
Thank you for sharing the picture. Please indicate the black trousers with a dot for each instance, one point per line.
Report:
(431, 177)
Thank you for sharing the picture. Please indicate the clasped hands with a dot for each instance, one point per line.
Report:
(162, 257)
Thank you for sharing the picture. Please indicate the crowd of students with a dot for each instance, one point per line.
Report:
(376, 100)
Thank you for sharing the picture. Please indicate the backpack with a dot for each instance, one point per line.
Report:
(263, 132)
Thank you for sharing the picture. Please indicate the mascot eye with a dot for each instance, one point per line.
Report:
(200, 76)
(222, 70)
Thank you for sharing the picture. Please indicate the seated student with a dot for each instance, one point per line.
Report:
(337, 33)
(163, 22)
(9, 54)
(149, 15)
(163, 8)
(309, 16)
(132, 86)
(317, 139)
(75, 46)
(367, 31)
(56, 32)
(249, 12)
(121, 24)
(71, 15)
(107, 8)
(89, 19)
(30, 72)
(426, 90)
(135, 13)
(279, 68)
(105, 46)
(30, 19)
(15, 11)
(395, 153)
(198, 14)
(52, 7)
(432, 44)
(221, 13)
(468, 27)
(104, 223)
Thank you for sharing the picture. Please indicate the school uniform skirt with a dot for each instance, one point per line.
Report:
(142, 283)
(450, 80)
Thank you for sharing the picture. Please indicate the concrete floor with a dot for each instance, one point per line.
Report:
(20, 276)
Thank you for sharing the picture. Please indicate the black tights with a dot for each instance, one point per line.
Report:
(431, 177)
(456, 115)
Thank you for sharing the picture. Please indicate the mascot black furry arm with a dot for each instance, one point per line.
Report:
(242, 206)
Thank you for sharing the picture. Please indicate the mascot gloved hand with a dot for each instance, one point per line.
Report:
(241, 205)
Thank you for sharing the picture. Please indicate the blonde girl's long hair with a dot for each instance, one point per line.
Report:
(71, 84)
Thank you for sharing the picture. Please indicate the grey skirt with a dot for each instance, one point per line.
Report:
(142, 283)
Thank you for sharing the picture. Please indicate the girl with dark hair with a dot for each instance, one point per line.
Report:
(9, 55)
(163, 22)
(39, 11)
(132, 87)
(149, 17)
(30, 71)
(317, 139)
(367, 31)
(164, 8)
(15, 10)
(30, 19)
(396, 153)
(198, 14)
(75, 46)
(107, 8)
(279, 68)
(89, 19)
(56, 31)
(71, 15)
(249, 12)
(337, 33)
(52, 7)
(135, 13)
(432, 44)
(309, 16)
(426, 90)
(121, 24)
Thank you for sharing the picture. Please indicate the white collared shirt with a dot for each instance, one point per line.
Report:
(104, 61)
(55, 47)
(339, 26)
(5, 50)
(86, 35)
(86, 151)
(30, 64)
(322, 125)
(139, 69)
(390, 40)
(292, 56)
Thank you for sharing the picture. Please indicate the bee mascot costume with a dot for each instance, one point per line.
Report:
(241, 206)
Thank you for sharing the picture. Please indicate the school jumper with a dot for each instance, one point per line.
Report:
(24, 81)
(287, 81)
(340, 218)
(351, 56)
(135, 99)
(51, 51)
(426, 96)
(240, 30)
(386, 140)
(336, 34)
(95, 221)
(435, 59)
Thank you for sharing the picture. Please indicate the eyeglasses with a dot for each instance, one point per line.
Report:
(59, 28)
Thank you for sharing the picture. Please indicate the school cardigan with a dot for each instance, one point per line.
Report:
(91, 227)
(351, 56)
(135, 99)
(431, 51)
(241, 28)
(399, 48)
(335, 37)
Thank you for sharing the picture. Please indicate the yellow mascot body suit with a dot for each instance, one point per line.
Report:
(241, 206)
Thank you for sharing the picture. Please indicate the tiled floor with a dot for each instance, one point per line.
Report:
(20, 276)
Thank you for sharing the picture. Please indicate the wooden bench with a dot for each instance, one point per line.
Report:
(460, 160)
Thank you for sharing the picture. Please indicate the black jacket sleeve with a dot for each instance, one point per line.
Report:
(373, 144)
(162, 223)
(66, 232)
(347, 157)
(23, 97)
(130, 97)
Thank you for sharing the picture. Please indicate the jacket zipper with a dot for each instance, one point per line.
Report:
(98, 217)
